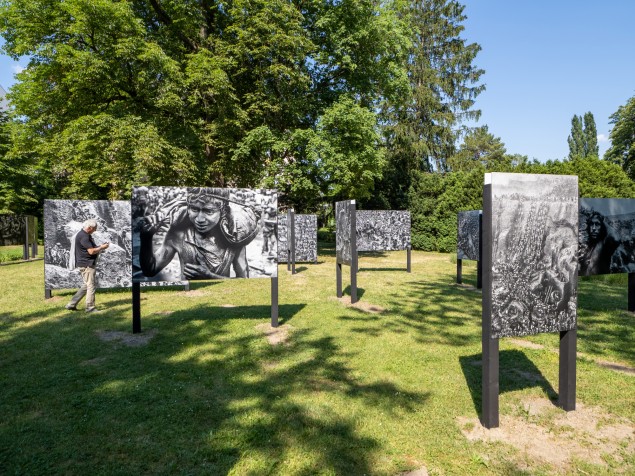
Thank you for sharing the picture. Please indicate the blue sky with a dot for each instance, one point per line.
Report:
(545, 61)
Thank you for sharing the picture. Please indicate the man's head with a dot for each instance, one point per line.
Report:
(595, 226)
(90, 226)
(205, 207)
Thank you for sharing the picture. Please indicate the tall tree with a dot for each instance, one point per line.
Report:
(622, 150)
(583, 140)
(479, 147)
(421, 131)
(195, 91)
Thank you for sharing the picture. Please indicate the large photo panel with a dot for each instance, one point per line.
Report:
(193, 233)
(344, 231)
(63, 219)
(283, 237)
(534, 249)
(382, 230)
(469, 235)
(607, 236)
(12, 230)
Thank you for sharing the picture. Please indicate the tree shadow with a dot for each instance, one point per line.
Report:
(347, 291)
(200, 397)
(516, 372)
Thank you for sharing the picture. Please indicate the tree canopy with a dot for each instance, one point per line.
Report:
(622, 150)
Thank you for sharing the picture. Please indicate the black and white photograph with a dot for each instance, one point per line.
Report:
(607, 236)
(305, 238)
(534, 253)
(194, 233)
(12, 230)
(344, 231)
(282, 235)
(469, 235)
(382, 230)
(63, 219)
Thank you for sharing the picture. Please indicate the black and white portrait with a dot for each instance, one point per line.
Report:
(607, 236)
(203, 233)
(469, 235)
(305, 238)
(534, 253)
(344, 231)
(64, 218)
(382, 230)
(12, 230)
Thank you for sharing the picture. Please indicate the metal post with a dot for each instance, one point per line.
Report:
(274, 301)
(479, 263)
(338, 278)
(479, 274)
(354, 255)
(34, 250)
(25, 248)
(459, 271)
(631, 292)
(567, 373)
(408, 258)
(136, 308)
(292, 240)
(48, 293)
(490, 348)
(186, 286)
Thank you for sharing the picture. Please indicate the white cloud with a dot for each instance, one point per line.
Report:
(603, 138)
(17, 68)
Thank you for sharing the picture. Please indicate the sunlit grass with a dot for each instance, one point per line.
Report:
(352, 391)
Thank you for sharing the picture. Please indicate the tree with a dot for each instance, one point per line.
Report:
(422, 128)
(479, 147)
(583, 140)
(622, 150)
(195, 92)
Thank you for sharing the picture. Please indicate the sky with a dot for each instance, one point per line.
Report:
(544, 61)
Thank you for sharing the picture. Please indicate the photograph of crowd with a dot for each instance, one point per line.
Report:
(198, 233)
(607, 236)
(305, 238)
(343, 231)
(534, 253)
(64, 218)
(469, 235)
(12, 230)
(382, 230)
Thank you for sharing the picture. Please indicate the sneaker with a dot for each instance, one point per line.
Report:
(93, 310)
(68, 307)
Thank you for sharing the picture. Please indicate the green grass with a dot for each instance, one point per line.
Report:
(352, 392)
(9, 254)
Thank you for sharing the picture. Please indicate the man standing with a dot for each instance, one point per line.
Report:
(85, 252)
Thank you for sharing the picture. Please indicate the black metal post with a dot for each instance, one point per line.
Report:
(338, 278)
(490, 348)
(408, 258)
(34, 250)
(186, 286)
(459, 271)
(354, 254)
(631, 292)
(25, 248)
(274, 301)
(292, 240)
(479, 274)
(567, 373)
(48, 293)
(479, 263)
(136, 308)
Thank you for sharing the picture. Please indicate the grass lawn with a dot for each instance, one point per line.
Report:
(388, 386)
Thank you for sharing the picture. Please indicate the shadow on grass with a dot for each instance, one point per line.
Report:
(516, 372)
(206, 395)
(347, 291)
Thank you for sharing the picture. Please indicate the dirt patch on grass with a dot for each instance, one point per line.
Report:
(526, 344)
(615, 366)
(275, 335)
(423, 471)
(542, 432)
(56, 299)
(361, 305)
(192, 293)
(228, 305)
(126, 338)
(95, 361)
(164, 313)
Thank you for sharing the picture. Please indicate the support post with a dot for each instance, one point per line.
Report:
(631, 292)
(567, 374)
(479, 263)
(354, 254)
(338, 279)
(25, 248)
(292, 239)
(48, 293)
(186, 286)
(274, 301)
(490, 348)
(34, 250)
(459, 271)
(409, 258)
(136, 308)
(479, 274)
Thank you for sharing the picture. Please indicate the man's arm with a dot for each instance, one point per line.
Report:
(152, 261)
(241, 267)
